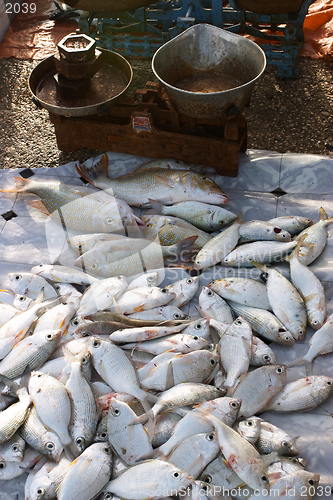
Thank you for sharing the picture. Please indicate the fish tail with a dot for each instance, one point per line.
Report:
(39, 206)
(99, 169)
(262, 267)
(20, 186)
(182, 253)
(322, 214)
(299, 362)
(156, 207)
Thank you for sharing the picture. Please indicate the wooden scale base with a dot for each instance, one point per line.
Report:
(149, 125)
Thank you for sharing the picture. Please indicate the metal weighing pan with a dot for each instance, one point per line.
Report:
(108, 86)
(204, 49)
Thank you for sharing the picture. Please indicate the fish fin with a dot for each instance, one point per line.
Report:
(70, 452)
(96, 170)
(309, 297)
(19, 187)
(322, 214)
(39, 206)
(239, 218)
(300, 243)
(169, 182)
(182, 252)
(297, 362)
(309, 369)
(10, 384)
(170, 381)
(262, 267)
(156, 207)
(270, 458)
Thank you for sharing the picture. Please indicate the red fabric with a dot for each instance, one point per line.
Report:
(34, 36)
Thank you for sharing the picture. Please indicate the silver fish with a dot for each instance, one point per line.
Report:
(249, 429)
(185, 289)
(63, 274)
(12, 450)
(46, 480)
(259, 251)
(272, 438)
(315, 235)
(259, 230)
(257, 388)
(294, 224)
(30, 284)
(261, 353)
(213, 306)
(245, 291)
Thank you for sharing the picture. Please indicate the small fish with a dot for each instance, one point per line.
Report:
(309, 287)
(13, 449)
(11, 470)
(185, 289)
(63, 274)
(101, 295)
(198, 328)
(159, 314)
(43, 440)
(13, 417)
(245, 291)
(258, 251)
(45, 482)
(30, 285)
(84, 242)
(302, 395)
(257, 388)
(213, 306)
(241, 456)
(259, 230)
(88, 474)
(171, 230)
(287, 305)
(285, 466)
(218, 247)
(321, 342)
(261, 353)
(141, 299)
(22, 302)
(52, 403)
(303, 484)
(235, 350)
(294, 224)
(163, 185)
(264, 323)
(143, 333)
(206, 217)
(315, 235)
(180, 343)
(131, 442)
(272, 438)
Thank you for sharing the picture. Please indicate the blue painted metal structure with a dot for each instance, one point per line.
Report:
(142, 31)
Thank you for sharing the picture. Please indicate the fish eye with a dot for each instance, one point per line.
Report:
(115, 412)
(210, 293)
(198, 326)
(109, 220)
(210, 437)
(266, 357)
(50, 446)
(300, 332)
(204, 178)
(75, 322)
(2, 464)
(22, 298)
(49, 336)
(103, 435)
(221, 222)
(149, 224)
(18, 277)
(329, 382)
(195, 337)
(96, 343)
(315, 322)
(57, 287)
(85, 360)
(238, 321)
(177, 316)
(15, 447)
(284, 444)
(94, 266)
(176, 475)
(107, 496)
(213, 362)
(164, 290)
(264, 479)
(207, 479)
(189, 281)
(311, 482)
(249, 423)
(234, 404)
(80, 247)
(204, 488)
(264, 276)
(279, 369)
(80, 441)
(40, 491)
(40, 375)
(107, 450)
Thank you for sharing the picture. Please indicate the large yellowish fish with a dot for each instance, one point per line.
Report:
(167, 186)
(77, 208)
(100, 261)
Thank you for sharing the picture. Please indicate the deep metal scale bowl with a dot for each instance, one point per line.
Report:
(108, 86)
(206, 49)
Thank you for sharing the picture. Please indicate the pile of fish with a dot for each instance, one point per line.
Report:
(108, 389)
